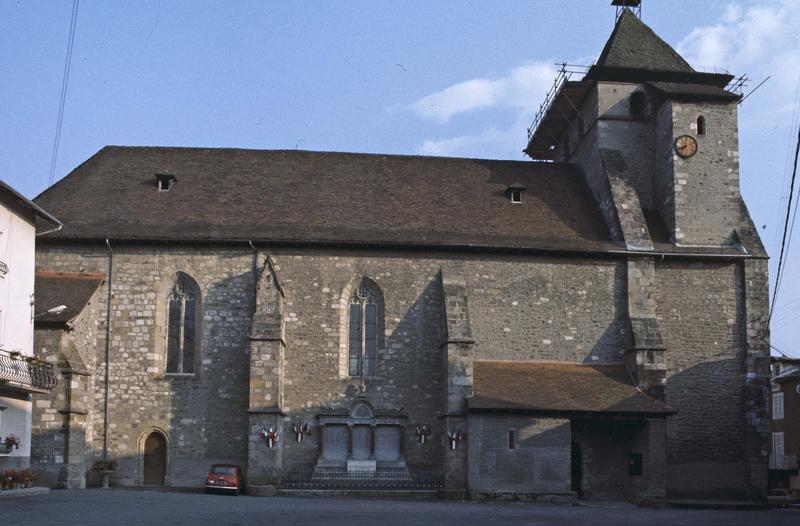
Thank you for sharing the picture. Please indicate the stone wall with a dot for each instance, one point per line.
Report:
(519, 308)
(205, 415)
(706, 185)
(538, 461)
(62, 434)
(701, 312)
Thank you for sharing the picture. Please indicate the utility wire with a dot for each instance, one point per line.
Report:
(787, 162)
(786, 225)
(64, 85)
(797, 199)
(774, 347)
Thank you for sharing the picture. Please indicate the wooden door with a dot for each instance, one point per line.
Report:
(155, 459)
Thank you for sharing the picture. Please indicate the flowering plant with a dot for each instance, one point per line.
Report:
(11, 441)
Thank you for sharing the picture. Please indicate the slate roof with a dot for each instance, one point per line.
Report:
(690, 91)
(300, 196)
(634, 45)
(791, 375)
(73, 289)
(559, 388)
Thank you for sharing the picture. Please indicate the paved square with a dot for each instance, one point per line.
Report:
(134, 507)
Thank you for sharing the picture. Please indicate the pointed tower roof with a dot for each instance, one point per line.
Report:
(633, 45)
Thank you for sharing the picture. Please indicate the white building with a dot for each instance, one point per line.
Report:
(20, 373)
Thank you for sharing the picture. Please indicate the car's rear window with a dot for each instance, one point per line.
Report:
(223, 470)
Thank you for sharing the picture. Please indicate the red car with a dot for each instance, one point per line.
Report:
(225, 477)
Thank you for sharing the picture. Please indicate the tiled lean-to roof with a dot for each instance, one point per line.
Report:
(73, 289)
(223, 194)
(559, 388)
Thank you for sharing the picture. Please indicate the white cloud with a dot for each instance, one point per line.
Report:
(521, 88)
(759, 39)
(466, 145)
(491, 142)
(763, 36)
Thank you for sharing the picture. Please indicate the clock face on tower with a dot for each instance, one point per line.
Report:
(685, 146)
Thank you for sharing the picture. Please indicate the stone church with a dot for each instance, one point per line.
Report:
(590, 323)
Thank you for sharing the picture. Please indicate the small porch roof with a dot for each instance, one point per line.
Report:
(73, 289)
(560, 388)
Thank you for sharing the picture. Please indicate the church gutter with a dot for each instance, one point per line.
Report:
(611, 253)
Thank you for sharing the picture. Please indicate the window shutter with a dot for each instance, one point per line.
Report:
(777, 406)
(777, 445)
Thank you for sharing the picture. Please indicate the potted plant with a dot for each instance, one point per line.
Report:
(105, 468)
(16, 479)
(11, 441)
(27, 476)
(7, 478)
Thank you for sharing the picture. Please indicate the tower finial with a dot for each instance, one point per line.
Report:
(634, 5)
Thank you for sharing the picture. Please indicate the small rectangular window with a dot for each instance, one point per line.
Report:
(511, 444)
(516, 196)
(777, 406)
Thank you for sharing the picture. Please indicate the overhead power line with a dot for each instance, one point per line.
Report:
(64, 85)
(784, 245)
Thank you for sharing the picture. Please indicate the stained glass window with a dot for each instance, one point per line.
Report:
(364, 330)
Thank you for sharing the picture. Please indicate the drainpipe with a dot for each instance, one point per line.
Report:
(108, 348)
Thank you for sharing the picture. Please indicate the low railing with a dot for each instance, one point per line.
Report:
(783, 462)
(411, 478)
(17, 370)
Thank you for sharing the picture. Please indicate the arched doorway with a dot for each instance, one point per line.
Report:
(155, 459)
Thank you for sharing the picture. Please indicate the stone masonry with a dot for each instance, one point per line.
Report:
(577, 312)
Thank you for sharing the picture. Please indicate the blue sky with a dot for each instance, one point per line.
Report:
(459, 78)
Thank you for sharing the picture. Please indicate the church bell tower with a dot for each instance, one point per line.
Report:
(656, 139)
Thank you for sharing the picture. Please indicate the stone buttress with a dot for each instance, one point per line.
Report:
(265, 409)
(457, 342)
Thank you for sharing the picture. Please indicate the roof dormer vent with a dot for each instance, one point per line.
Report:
(165, 182)
(515, 191)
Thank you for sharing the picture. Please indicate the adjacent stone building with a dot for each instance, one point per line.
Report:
(591, 327)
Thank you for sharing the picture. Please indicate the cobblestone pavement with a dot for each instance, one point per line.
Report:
(151, 508)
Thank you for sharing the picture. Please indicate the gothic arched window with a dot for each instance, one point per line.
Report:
(182, 317)
(365, 322)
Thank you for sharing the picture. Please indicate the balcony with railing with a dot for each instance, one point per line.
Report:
(783, 462)
(25, 373)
